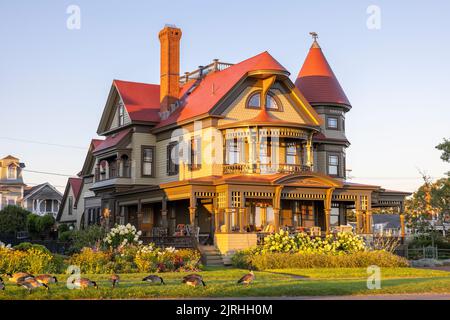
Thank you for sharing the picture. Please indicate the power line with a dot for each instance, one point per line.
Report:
(50, 173)
(44, 143)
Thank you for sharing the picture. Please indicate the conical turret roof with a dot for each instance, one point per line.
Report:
(317, 81)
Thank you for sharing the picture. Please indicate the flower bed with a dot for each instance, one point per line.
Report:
(282, 250)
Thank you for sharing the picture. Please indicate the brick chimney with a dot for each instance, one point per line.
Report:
(169, 38)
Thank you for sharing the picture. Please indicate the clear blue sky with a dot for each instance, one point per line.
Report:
(54, 81)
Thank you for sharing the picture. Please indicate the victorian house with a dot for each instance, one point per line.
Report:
(40, 199)
(234, 150)
(11, 181)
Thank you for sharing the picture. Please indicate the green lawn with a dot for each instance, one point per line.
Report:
(221, 282)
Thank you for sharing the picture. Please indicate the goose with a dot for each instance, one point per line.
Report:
(194, 280)
(84, 283)
(31, 284)
(115, 280)
(46, 279)
(193, 275)
(154, 279)
(248, 278)
(2, 285)
(18, 276)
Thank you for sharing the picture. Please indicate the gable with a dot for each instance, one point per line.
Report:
(235, 106)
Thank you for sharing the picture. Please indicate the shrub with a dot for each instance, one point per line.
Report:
(92, 261)
(33, 260)
(39, 225)
(340, 243)
(13, 219)
(121, 236)
(25, 246)
(89, 237)
(152, 259)
(317, 260)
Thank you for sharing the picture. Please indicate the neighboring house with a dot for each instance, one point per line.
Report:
(11, 181)
(230, 148)
(387, 224)
(69, 211)
(42, 199)
(85, 206)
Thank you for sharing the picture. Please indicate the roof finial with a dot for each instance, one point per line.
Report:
(315, 44)
(314, 35)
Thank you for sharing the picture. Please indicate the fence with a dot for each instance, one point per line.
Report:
(54, 246)
(427, 253)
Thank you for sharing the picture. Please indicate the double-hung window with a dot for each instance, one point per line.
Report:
(333, 164)
(172, 158)
(196, 153)
(148, 161)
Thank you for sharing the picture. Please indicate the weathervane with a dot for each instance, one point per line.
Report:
(314, 35)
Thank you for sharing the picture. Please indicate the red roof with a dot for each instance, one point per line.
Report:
(96, 142)
(75, 184)
(316, 80)
(140, 99)
(111, 140)
(202, 99)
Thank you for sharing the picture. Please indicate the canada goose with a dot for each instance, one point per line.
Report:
(2, 285)
(115, 280)
(194, 280)
(154, 279)
(248, 278)
(193, 275)
(19, 276)
(31, 284)
(46, 279)
(84, 283)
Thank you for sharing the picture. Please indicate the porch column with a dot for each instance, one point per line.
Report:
(263, 216)
(164, 219)
(242, 223)
(327, 220)
(368, 221)
(228, 213)
(402, 225)
(216, 220)
(358, 214)
(309, 152)
(276, 217)
(192, 211)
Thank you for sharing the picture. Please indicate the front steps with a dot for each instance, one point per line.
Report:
(211, 256)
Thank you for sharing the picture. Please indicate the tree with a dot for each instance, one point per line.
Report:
(13, 219)
(445, 148)
(39, 226)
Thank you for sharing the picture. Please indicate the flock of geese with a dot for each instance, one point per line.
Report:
(31, 282)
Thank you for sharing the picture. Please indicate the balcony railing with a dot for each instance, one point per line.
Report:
(243, 168)
(111, 173)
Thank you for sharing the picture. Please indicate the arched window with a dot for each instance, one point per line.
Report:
(12, 172)
(254, 101)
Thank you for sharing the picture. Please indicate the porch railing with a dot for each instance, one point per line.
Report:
(171, 241)
(243, 168)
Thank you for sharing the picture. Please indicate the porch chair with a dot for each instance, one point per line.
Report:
(193, 231)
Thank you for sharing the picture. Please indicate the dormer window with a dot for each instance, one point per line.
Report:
(12, 172)
(121, 115)
(254, 101)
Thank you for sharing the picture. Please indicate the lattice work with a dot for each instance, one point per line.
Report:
(364, 203)
(231, 134)
(221, 199)
(303, 196)
(236, 199)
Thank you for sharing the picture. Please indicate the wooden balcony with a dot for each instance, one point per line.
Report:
(244, 168)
